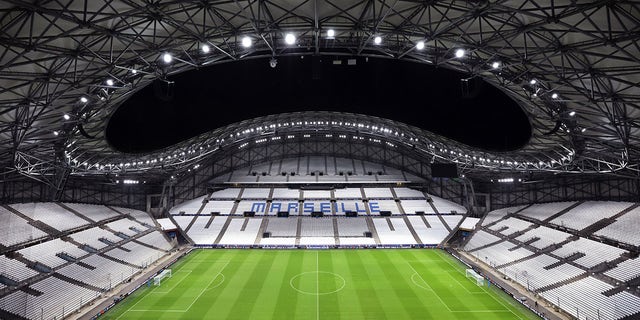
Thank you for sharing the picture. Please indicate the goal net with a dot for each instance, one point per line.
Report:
(475, 277)
(166, 273)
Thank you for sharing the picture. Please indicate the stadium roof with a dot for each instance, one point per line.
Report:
(83, 59)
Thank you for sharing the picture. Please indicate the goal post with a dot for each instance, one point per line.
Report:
(157, 280)
(479, 280)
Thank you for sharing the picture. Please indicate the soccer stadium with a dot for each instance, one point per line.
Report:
(319, 159)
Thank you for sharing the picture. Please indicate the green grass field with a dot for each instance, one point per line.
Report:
(318, 284)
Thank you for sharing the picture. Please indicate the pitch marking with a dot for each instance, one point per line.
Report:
(175, 286)
(425, 282)
(483, 289)
(190, 305)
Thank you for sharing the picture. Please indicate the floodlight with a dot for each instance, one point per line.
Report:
(109, 82)
(377, 40)
(331, 33)
(167, 58)
(533, 81)
(55, 133)
(66, 116)
(205, 48)
(495, 65)
(460, 53)
(554, 96)
(572, 113)
(247, 42)
(84, 99)
(290, 38)
(420, 45)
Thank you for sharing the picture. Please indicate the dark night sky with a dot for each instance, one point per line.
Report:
(417, 94)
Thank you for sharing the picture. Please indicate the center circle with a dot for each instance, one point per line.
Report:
(317, 282)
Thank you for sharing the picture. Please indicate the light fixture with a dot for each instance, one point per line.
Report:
(55, 133)
(247, 42)
(109, 82)
(134, 71)
(533, 81)
(167, 58)
(420, 45)
(572, 113)
(290, 38)
(554, 96)
(66, 116)
(331, 33)
(460, 53)
(205, 48)
(84, 99)
(495, 65)
(377, 40)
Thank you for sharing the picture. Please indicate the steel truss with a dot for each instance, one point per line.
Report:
(56, 58)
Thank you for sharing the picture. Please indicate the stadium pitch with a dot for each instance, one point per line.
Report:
(319, 284)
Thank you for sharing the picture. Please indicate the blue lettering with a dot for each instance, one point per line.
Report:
(325, 207)
(258, 207)
(277, 206)
(342, 205)
(308, 207)
(358, 209)
(292, 205)
(374, 206)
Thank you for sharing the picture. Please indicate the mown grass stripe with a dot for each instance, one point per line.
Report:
(378, 269)
(288, 299)
(248, 294)
(378, 285)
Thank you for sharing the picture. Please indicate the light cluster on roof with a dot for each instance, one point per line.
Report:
(373, 133)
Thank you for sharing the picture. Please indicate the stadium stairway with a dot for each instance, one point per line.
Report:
(614, 290)
(223, 230)
(183, 233)
(76, 282)
(561, 212)
(564, 282)
(372, 229)
(510, 263)
(261, 230)
(76, 213)
(147, 245)
(426, 222)
(444, 223)
(186, 230)
(204, 203)
(602, 223)
(298, 231)
(413, 231)
(118, 260)
(336, 236)
(36, 223)
(486, 245)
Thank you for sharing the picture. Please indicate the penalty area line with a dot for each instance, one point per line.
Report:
(174, 286)
(425, 282)
(208, 284)
(173, 310)
(483, 288)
